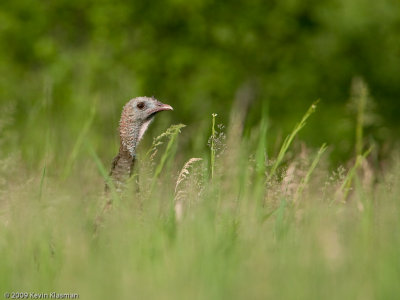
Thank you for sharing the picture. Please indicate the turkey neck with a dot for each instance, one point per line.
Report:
(123, 163)
(121, 168)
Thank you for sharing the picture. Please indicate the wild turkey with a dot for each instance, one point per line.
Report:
(136, 117)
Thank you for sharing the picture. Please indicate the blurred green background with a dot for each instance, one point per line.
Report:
(60, 59)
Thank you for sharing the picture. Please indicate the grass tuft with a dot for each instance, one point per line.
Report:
(234, 237)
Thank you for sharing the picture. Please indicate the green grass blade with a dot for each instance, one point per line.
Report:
(114, 195)
(262, 146)
(360, 91)
(346, 185)
(289, 139)
(172, 134)
(306, 179)
(213, 150)
(78, 143)
(42, 178)
(260, 157)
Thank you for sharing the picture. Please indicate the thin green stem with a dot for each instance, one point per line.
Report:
(306, 179)
(289, 139)
(78, 142)
(114, 194)
(346, 185)
(361, 104)
(213, 150)
(172, 134)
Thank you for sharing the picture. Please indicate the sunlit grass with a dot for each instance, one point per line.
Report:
(245, 233)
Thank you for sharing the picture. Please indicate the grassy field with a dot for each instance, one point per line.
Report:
(229, 223)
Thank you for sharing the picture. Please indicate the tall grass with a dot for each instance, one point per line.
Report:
(308, 244)
(360, 96)
(305, 181)
(289, 139)
(212, 147)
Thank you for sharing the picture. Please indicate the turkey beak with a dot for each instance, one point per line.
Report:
(162, 106)
(159, 107)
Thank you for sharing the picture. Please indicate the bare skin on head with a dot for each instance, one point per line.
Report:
(136, 117)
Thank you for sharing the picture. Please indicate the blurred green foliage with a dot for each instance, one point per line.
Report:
(58, 59)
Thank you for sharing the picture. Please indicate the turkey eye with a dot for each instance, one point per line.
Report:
(140, 105)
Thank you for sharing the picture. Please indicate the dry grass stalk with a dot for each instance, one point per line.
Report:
(180, 194)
